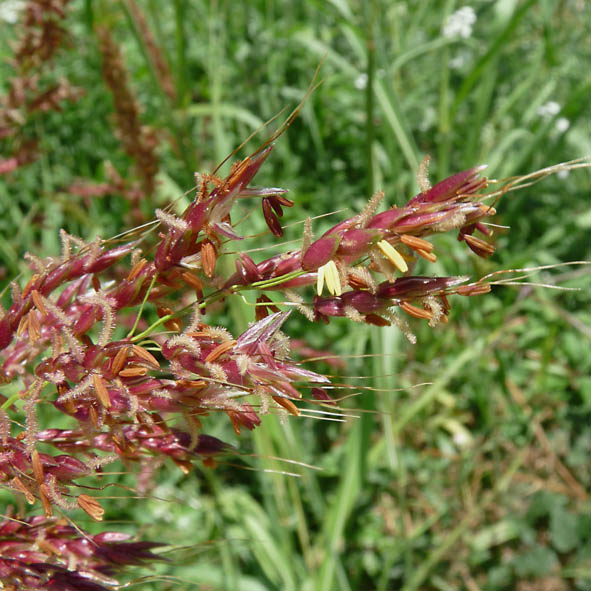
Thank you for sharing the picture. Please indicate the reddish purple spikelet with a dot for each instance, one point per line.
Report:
(356, 242)
(417, 286)
(247, 269)
(38, 553)
(387, 218)
(271, 217)
(320, 252)
(461, 183)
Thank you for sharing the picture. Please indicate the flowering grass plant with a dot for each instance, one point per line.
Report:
(81, 339)
(170, 410)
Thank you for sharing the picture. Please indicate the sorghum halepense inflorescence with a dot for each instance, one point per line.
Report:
(62, 341)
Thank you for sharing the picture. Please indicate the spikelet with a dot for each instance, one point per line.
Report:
(423, 174)
(369, 210)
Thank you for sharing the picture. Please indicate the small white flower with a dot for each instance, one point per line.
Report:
(562, 174)
(462, 438)
(548, 110)
(459, 24)
(9, 10)
(361, 81)
(562, 124)
(429, 118)
(460, 60)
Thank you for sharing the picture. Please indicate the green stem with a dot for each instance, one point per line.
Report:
(10, 401)
(139, 314)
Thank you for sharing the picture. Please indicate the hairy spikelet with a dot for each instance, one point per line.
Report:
(56, 496)
(66, 245)
(172, 221)
(78, 390)
(432, 304)
(457, 220)
(30, 408)
(402, 324)
(185, 341)
(370, 209)
(94, 249)
(217, 372)
(16, 293)
(37, 264)
(352, 314)
(101, 300)
(295, 298)
(281, 345)
(423, 174)
(307, 237)
(4, 426)
(218, 333)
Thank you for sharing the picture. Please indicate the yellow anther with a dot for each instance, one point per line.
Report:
(329, 274)
(393, 256)
(320, 280)
(333, 281)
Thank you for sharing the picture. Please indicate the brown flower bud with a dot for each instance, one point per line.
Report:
(137, 269)
(133, 372)
(473, 289)
(416, 312)
(478, 246)
(208, 258)
(145, 355)
(219, 351)
(376, 320)
(119, 360)
(431, 257)
(91, 507)
(17, 483)
(45, 495)
(37, 466)
(101, 391)
(36, 297)
(288, 405)
(194, 282)
(416, 243)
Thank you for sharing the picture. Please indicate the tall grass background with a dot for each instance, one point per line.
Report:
(466, 461)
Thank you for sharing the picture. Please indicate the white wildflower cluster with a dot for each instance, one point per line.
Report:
(460, 23)
(548, 110)
(361, 81)
(551, 109)
(9, 10)
(460, 60)
(562, 124)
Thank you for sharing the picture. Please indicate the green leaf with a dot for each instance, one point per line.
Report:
(539, 561)
(564, 530)
(543, 503)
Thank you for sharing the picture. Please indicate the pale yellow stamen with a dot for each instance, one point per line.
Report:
(333, 281)
(329, 274)
(320, 280)
(393, 256)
